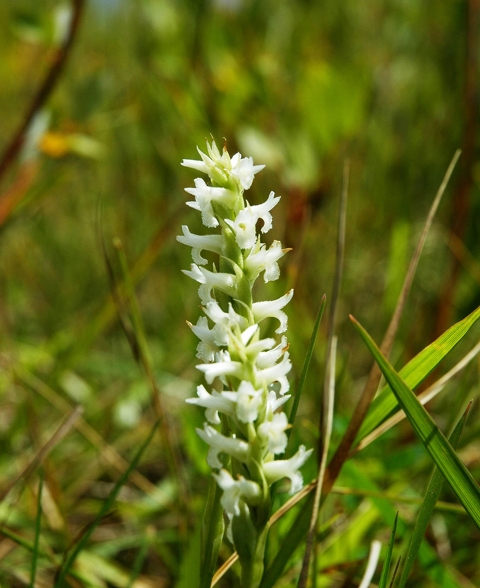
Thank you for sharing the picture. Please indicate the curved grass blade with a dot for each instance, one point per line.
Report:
(424, 397)
(388, 558)
(306, 363)
(442, 453)
(106, 506)
(416, 371)
(426, 510)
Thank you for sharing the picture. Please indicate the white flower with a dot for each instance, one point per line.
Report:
(210, 280)
(214, 403)
(248, 401)
(221, 444)
(272, 433)
(277, 373)
(200, 166)
(224, 322)
(204, 195)
(223, 367)
(244, 225)
(273, 402)
(199, 243)
(267, 359)
(265, 260)
(208, 345)
(262, 211)
(287, 468)
(244, 170)
(272, 308)
(236, 490)
(244, 347)
(244, 228)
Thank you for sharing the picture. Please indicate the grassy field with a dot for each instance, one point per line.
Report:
(94, 346)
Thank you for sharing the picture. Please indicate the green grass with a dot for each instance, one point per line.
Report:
(298, 86)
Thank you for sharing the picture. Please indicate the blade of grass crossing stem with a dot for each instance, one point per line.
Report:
(428, 505)
(38, 526)
(416, 371)
(306, 363)
(291, 542)
(388, 558)
(455, 472)
(106, 506)
(212, 534)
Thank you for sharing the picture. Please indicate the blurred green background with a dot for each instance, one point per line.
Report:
(300, 86)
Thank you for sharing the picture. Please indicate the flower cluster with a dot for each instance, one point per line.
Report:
(245, 429)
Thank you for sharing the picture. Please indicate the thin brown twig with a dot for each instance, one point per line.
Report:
(46, 88)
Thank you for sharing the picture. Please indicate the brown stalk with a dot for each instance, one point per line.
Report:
(17, 190)
(46, 88)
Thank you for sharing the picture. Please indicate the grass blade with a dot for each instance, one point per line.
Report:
(38, 525)
(416, 371)
(306, 363)
(455, 472)
(106, 506)
(388, 558)
(424, 397)
(426, 510)
(212, 533)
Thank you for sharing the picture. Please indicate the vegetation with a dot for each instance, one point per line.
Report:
(97, 114)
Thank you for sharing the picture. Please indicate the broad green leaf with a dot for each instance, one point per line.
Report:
(428, 505)
(416, 371)
(388, 558)
(455, 472)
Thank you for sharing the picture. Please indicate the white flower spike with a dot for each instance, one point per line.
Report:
(245, 428)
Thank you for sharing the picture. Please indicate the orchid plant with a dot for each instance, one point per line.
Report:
(246, 373)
